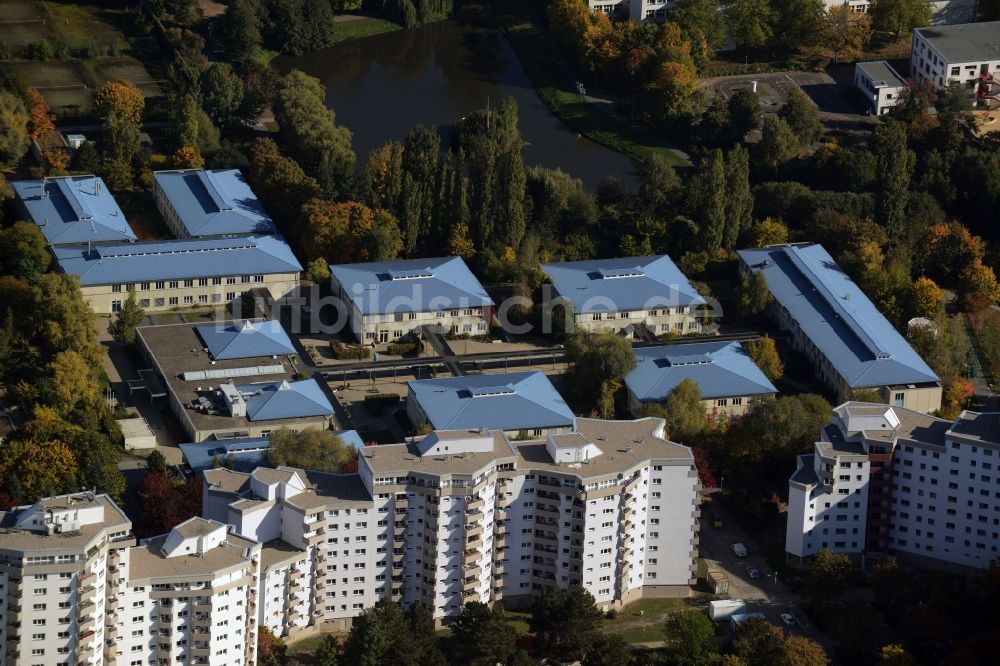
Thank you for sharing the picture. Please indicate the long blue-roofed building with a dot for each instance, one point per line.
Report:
(517, 403)
(383, 301)
(851, 344)
(181, 273)
(244, 454)
(203, 203)
(728, 378)
(73, 210)
(616, 295)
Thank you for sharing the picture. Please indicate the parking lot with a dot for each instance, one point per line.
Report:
(839, 104)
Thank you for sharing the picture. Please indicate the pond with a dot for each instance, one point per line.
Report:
(381, 87)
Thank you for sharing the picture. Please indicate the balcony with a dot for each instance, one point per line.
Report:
(86, 625)
(500, 514)
(475, 503)
(470, 593)
(471, 583)
(497, 593)
(201, 633)
(472, 529)
(498, 567)
(547, 539)
(201, 651)
(315, 538)
(472, 569)
(499, 539)
(547, 510)
(202, 606)
(475, 541)
(474, 515)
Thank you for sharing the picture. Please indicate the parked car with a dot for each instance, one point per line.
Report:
(753, 572)
(789, 619)
(739, 549)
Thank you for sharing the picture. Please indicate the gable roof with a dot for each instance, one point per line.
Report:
(512, 401)
(411, 285)
(720, 369)
(245, 339)
(214, 203)
(285, 400)
(177, 260)
(837, 317)
(628, 283)
(73, 210)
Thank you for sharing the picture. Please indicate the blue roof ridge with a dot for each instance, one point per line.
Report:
(866, 337)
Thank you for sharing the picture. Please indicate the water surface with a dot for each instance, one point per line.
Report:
(381, 87)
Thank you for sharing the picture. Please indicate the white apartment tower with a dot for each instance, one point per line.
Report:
(77, 590)
(463, 516)
(896, 480)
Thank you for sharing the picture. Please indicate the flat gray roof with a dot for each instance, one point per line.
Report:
(882, 73)
(966, 42)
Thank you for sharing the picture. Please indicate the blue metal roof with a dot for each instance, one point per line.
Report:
(177, 260)
(249, 453)
(721, 369)
(411, 285)
(76, 209)
(629, 283)
(214, 203)
(837, 317)
(513, 401)
(284, 400)
(245, 339)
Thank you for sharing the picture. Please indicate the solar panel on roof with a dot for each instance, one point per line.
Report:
(411, 274)
(490, 391)
(225, 373)
(609, 273)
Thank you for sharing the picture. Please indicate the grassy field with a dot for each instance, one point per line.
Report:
(366, 27)
(559, 92)
(112, 69)
(80, 25)
(61, 82)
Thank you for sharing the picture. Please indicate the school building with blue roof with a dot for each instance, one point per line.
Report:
(728, 378)
(177, 273)
(73, 210)
(851, 345)
(618, 295)
(385, 300)
(516, 402)
(202, 203)
(245, 339)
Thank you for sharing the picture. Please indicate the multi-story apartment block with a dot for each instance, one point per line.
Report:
(200, 203)
(73, 210)
(615, 295)
(851, 345)
(181, 273)
(463, 516)
(383, 301)
(728, 378)
(77, 590)
(524, 404)
(895, 480)
(955, 53)
(59, 579)
(229, 379)
(636, 10)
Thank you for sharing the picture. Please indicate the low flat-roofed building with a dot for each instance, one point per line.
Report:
(728, 378)
(385, 300)
(202, 202)
(233, 397)
(960, 53)
(518, 403)
(609, 295)
(181, 273)
(851, 345)
(73, 210)
(880, 85)
(243, 454)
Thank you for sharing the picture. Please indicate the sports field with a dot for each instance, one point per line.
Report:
(21, 23)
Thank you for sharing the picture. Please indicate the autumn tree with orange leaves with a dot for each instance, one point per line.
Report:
(123, 97)
(349, 231)
(41, 120)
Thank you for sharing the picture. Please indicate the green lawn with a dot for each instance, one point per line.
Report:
(366, 27)
(559, 92)
(79, 25)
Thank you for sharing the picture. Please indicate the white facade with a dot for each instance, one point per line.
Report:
(892, 479)
(77, 590)
(470, 524)
(880, 84)
(955, 53)
(679, 321)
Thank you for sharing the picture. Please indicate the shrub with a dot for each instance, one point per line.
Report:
(403, 348)
(343, 352)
